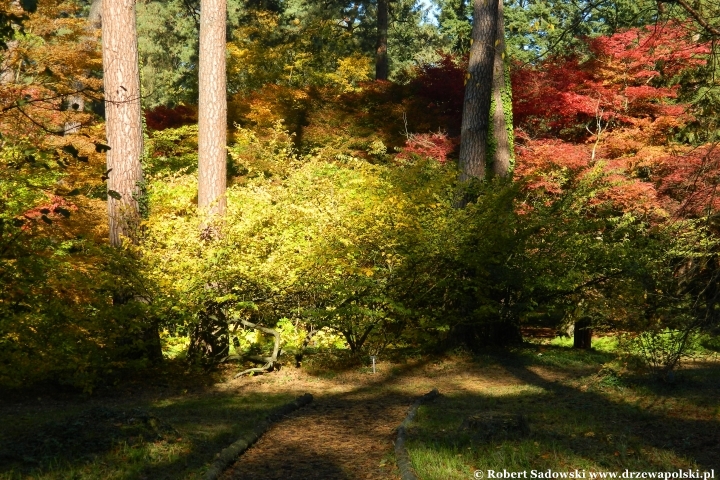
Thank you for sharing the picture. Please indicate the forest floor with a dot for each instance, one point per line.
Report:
(173, 430)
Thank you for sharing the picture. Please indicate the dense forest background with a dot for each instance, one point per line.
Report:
(352, 221)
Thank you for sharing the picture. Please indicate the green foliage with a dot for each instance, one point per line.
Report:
(661, 349)
(294, 43)
(57, 318)
(341, 244)
(538, 28)
(168, 33)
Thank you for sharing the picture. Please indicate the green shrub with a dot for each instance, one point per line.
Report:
(340, 244)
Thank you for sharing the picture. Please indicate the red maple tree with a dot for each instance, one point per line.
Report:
(619, 111)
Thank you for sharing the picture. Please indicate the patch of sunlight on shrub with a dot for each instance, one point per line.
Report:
(174, 346)
(607, 344)
(602, 344)
(561, 342)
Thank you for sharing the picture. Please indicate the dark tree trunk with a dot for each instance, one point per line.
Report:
(210, 339)
(381, 56)
(478, 92)
(582, 337)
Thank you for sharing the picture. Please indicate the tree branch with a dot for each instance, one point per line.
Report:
(698, 17)
(272, 360)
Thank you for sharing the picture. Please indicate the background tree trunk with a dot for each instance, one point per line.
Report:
(212, 108)
(502, 114)
(478, 91)
(582, 336)
(381, 56)
(123, 117)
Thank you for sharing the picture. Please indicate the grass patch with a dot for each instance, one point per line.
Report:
(560, 356)
(607, 420)
(175, 438)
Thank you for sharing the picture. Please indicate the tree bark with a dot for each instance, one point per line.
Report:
(381, 56)
(478, 91)
(123, 118)
(212, 108)
(502, 156)
(582, 336)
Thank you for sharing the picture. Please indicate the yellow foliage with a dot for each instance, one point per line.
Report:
(351, 71)
(301, 234)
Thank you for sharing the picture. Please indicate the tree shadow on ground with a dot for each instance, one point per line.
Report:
(168, 439)
(292, 464)
(579, 424)
(164, 439)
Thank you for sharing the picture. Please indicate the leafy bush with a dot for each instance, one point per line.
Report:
(662, 350)
(58, 322)
(345, 245)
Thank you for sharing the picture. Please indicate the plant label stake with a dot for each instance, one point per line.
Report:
(373, 358)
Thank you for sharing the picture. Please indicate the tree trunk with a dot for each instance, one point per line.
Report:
(502, 114)
(271, 362)
(381, 57)
(123, 118)
(478, 92)
(209, 338)
(95, 14)
(212, 108)
(582, 337)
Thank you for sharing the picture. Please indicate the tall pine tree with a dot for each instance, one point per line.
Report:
(123, 117)
(212, 108)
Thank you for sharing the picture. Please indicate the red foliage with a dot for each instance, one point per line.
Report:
(430, 145)
(443, 84)
(651, 51)
(621, 83)
(56, 208)
(628, 91)
(163, 117)
(689, 182)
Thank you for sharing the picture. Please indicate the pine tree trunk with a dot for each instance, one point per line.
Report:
(381, 56)
(502, 155)
(123, 121)
(212, 108)
(478, 92)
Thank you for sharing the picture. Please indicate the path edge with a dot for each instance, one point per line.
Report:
(230, 454)
(402, 458)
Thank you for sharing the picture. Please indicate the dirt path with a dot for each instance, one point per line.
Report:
(347, 438)
(349, 429)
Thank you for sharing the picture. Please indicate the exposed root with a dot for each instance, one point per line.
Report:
(271, 361)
